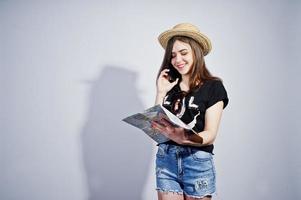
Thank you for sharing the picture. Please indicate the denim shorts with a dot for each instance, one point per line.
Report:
(185, 170)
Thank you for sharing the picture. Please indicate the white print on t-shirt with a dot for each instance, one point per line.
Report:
(166, 102)
(193, 122)
(192, 105)
(182, 109)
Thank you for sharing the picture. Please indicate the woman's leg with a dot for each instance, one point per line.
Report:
(191, 198)
(170, 196)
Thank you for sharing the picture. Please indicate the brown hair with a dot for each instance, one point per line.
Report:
(199, 72)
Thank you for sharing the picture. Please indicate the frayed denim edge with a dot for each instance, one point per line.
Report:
(199, 197)
(167, 191)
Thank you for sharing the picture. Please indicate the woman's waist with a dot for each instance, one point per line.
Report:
(178, 147)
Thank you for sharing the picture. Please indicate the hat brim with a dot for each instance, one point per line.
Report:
(202, 39)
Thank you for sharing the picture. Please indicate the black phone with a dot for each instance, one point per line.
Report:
(173, 74)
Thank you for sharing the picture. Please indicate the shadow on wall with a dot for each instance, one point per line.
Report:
(116, 156)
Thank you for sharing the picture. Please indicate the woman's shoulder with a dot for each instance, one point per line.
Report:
(208, 84)
(214, 81)
(208, 87)
(217, 92)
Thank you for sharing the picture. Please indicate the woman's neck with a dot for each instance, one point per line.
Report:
(185, 80)
(184, 85)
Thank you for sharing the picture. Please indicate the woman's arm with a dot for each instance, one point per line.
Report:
(213, 117)
(179, 135)
(163, 86)
(159, 98)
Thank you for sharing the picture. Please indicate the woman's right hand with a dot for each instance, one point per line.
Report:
(163, 85)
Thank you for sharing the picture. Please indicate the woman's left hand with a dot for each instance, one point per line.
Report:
(177, 134)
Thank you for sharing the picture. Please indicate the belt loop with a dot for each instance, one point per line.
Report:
(189, 150)
(167, 148)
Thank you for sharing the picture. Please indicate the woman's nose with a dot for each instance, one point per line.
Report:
(178, 59)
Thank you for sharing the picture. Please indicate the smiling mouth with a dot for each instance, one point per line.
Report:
(180, 66)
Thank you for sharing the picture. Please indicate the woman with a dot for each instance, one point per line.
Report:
(184, 165)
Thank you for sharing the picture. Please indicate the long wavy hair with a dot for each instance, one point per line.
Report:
(198, 72)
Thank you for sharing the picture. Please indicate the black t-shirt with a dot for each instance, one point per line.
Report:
(191, 107)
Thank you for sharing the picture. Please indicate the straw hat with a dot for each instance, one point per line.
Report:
(188, 30)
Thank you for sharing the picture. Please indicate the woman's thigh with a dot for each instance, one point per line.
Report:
(192, 198)
(173, 196)
(170, 196)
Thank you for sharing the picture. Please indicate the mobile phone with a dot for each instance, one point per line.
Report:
(173, 74)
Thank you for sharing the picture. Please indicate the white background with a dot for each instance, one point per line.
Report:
(70, 71)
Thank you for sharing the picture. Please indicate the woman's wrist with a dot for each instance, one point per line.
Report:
(159, 97)
(192, 138)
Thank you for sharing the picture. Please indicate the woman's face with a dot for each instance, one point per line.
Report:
(182, 57)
